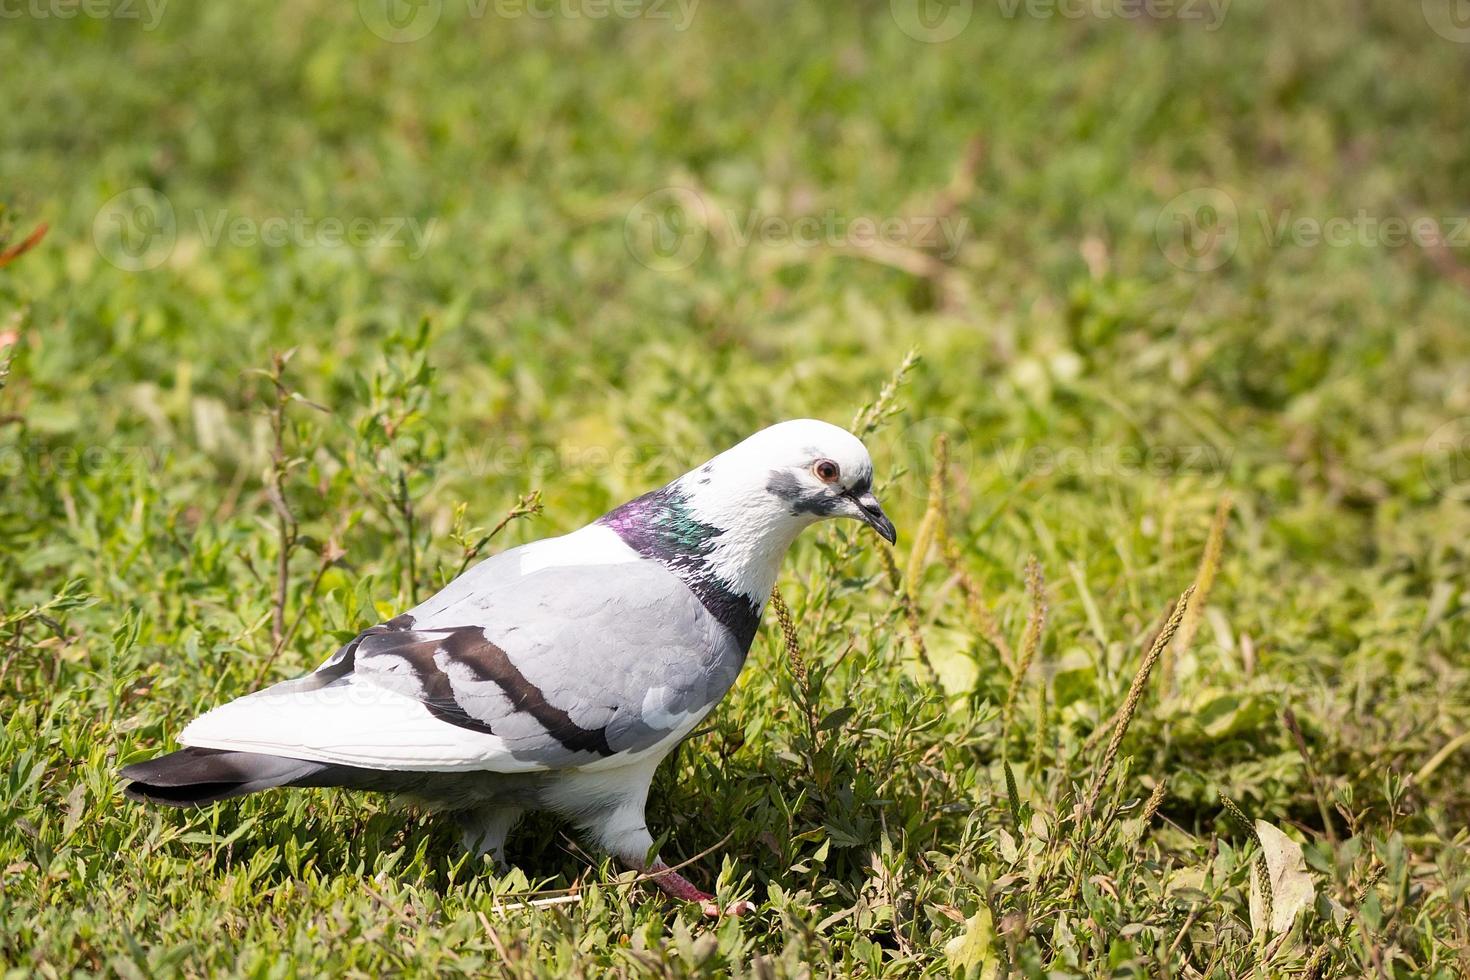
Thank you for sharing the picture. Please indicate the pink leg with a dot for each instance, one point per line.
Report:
(621, 829)
(677, 886)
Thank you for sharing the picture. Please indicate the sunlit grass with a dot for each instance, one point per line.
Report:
(979, 751)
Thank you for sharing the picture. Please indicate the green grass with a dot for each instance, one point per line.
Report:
(898, 801)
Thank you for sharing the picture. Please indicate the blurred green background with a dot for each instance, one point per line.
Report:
(1149, 255)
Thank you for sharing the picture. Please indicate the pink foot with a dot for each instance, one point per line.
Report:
(712, 909)
(676, 885)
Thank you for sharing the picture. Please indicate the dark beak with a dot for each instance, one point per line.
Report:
(873, 516)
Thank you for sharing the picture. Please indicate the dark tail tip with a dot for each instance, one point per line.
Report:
(198, 794)
(195, 777)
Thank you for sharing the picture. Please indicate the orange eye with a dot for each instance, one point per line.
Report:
(826, 470)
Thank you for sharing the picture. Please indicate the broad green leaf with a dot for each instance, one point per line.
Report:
(972, 953)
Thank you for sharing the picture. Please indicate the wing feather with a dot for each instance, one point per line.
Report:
(529, 661)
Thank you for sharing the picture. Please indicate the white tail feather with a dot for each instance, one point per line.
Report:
(350, 723)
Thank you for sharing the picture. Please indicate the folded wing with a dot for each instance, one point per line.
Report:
(548, 668)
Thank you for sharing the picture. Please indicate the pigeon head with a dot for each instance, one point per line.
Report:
(814, 470)
(785, 478)
(725, 525)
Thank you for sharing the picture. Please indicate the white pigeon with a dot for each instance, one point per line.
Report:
(554, 676)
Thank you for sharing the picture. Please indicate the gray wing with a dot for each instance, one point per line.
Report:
(566, 665)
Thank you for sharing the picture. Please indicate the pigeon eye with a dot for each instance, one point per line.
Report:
(826, 470)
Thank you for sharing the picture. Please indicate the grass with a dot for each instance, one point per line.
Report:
(236, 431)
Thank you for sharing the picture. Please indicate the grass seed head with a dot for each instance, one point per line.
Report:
(1135, 695)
